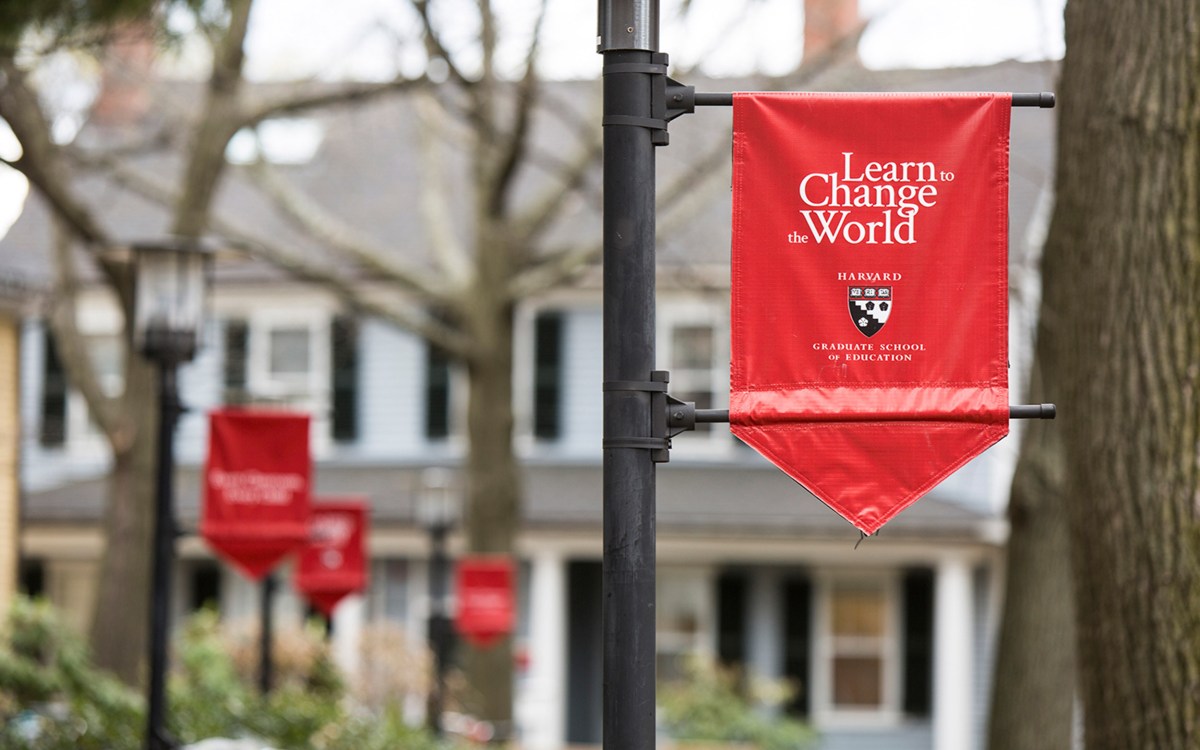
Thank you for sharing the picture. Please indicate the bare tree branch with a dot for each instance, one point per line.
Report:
(698, 171)
(315, 220)
(41, 161)
(512, 152)
(307, 100)
(553, 270)
(434, 46)
(72, 348)
(218, 123)
(349, 290)
(352, 292)
(568, 182)
(449, 254)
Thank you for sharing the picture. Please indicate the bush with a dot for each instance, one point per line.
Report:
(214, 693)
(709, 704)
(52, 698)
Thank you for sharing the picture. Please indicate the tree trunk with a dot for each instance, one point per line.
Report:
(493, 493)
(1122, 315)
(1034, 683)
(120, 622)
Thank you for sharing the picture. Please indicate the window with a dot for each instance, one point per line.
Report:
(277, 357)
(289, 359)
(693, 351)
(294, 358)
(684, 602)
(387, 596)
(235, 348)
(857, 635)
(858, 660)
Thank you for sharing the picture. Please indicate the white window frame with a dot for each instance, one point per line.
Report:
(95, 319)
(687, 587)
(306, 391)
(825, 712)
(674, 314)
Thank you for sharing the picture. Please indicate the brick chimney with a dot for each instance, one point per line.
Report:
(827, 22)
(127, 63)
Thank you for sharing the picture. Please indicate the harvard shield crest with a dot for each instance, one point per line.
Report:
(870, 307)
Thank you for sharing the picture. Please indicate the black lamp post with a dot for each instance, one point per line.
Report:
(169, 305)
(437, 511)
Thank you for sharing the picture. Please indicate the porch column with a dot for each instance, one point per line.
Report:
(542, 707)
(953, 709)
(764, 650)
(348, 621)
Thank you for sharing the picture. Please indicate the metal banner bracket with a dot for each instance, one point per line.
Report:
(669, 98)
(659, 440)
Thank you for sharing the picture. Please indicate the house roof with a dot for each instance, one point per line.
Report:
(748, 499)
(368, 171)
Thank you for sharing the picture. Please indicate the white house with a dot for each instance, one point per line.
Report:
(889, 641)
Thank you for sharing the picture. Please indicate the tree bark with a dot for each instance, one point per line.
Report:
(120, 622)
(493, 511)
(1034, 681)
(1121, 314)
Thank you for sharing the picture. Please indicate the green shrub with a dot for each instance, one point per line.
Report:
(710, 704)
(51, 696)
(213, 694)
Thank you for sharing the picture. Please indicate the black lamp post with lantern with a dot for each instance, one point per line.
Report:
(170, 292)
(437, 510)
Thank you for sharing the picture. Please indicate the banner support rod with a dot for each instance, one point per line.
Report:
(678, 416)
(1042, 99)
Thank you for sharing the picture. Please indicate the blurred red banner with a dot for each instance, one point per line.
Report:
(333, 563)
(486, 599)
(257, 482)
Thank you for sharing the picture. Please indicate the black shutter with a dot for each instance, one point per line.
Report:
(797, 638)
(53, 431)
(547, 376)
(437, 393)
(732, 588)
(235, 345)
(918, 641)
(344, 378)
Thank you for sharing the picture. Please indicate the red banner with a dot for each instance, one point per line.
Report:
(485, 599)
(869, 290)
(256, 487)
(333, 563)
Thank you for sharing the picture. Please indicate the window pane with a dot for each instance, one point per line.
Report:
(858, 612)
(692, 347)
(289, 351)
(857, 681)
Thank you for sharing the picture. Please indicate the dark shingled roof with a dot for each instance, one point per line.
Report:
(750, 499)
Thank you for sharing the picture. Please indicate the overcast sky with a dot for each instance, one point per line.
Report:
(733, 36)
